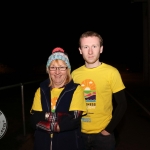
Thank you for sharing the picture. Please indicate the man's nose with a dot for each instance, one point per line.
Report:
(90, 51)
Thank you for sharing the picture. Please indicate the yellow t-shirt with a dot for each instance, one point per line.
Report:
(98, 84)
(77, 103)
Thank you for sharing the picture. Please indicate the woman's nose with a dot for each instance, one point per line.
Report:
(57, 70)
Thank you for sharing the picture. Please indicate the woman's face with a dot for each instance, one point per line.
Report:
(58, 73)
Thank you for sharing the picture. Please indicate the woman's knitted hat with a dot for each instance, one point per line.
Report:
(58, 53)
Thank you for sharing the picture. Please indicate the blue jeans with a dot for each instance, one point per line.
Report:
(98, 141)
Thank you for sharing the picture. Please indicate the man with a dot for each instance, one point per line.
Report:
(101, 82)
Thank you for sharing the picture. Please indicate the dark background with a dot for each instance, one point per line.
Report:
(29, 32)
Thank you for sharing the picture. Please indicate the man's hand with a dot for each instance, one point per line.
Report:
(104, 132)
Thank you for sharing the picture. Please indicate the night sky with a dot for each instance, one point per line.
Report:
(30, 31)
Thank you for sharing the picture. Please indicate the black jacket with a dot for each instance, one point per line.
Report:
(67, 140)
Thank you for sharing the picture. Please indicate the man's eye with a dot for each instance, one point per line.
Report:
(85, 47)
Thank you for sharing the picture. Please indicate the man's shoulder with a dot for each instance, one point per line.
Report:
(108, 66)
(77, 69)
(111, 70)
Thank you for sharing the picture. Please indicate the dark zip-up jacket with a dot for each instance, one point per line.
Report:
(68, 140)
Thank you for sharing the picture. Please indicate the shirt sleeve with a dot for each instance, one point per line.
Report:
(37, 101)
(116, 82)
(78, 101)
(119, 111)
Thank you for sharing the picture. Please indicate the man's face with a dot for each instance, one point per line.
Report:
(90, 50)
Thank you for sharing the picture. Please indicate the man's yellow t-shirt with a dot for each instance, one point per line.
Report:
(98, 84)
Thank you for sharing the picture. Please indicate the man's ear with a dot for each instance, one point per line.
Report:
(101, 49)
(80, 50)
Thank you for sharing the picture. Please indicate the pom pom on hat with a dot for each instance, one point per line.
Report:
(58, 53)
(57, 49)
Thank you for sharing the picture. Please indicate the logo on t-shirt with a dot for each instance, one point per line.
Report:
(53, 103)
(89, 93)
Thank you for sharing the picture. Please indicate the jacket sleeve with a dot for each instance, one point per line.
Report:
(119, 111)
(69, 122)
(66, 121)
(35, 117)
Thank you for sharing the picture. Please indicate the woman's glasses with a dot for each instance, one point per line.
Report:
(59, 68)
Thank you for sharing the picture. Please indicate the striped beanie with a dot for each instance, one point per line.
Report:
(58, 53)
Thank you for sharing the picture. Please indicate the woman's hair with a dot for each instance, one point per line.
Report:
(56, 61)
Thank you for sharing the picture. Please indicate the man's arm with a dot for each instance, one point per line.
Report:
(119, 111)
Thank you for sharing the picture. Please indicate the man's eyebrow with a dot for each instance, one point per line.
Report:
(84, 45)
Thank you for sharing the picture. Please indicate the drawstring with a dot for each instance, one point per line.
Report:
(75, 114)
(51, 140)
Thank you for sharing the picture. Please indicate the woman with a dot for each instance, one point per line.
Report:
(58, 107)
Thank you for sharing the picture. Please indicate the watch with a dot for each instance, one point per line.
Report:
(46, 115)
